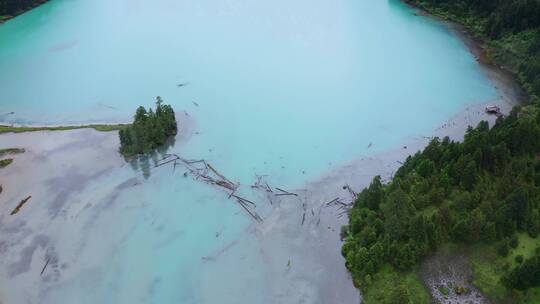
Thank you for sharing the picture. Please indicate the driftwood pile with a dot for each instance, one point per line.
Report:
(201, 170)
(343, 207)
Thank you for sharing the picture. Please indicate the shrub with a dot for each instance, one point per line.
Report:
(149, 129)
(514, 242)
(503, 249)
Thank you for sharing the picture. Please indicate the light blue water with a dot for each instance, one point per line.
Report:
(307, 82)
(285, 88)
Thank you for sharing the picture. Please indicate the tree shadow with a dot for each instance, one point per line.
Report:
(145, 162)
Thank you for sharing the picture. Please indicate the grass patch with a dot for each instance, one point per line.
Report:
(390, 286)
(11, 151)
(531, 296)
(488, 268)
(444, 290)
(97, 127)
(526, 248)
(5, 162)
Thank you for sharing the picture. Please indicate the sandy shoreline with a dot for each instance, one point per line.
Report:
(61, 171)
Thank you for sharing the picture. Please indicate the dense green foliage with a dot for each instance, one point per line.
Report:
(525, 275)
(510, 28)
(11, 151)
(149, 129)
(5, 162)
(391, 287)
(485, 189)
(496, 17)
(482, 192)
(15, 7)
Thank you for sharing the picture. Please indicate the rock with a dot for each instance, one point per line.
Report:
(461, 290)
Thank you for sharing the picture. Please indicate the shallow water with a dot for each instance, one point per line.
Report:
(287, 89)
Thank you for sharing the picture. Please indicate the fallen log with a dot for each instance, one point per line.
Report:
(232, 193)
(210, 175)
(218, 174)
(243, 199)
(284, 192)
(332, 201)
(260, 184)
(225, 184)
(351, 191)
(252, 213)
(44, 267)
(165, 162)
(268, 187)
(20, 205)
(343, 212)
(191, 162)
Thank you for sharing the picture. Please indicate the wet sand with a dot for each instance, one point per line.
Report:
(61, 171)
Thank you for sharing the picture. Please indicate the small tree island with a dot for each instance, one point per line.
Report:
(150, 129)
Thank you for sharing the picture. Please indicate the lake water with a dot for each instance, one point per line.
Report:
(290, 89)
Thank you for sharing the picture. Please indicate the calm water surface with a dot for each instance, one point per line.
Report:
(285, 88)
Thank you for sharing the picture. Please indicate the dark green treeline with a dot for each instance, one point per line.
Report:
(510, 29)
(16, 7)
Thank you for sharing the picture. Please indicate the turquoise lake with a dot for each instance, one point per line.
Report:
(290, 89)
